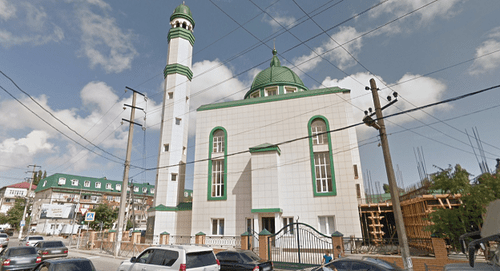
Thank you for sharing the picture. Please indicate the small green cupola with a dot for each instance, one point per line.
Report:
(275, 76)
(182, 11)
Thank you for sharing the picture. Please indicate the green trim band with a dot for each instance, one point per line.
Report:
(177, 68)
(274, 98)
(267, 210)
(180, 32)
(311, 150)
(265, 147)
(210, 147)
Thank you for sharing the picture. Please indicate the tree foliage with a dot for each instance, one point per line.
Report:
(39, 176)
(15, 214)
(105, 214)
(468, 217)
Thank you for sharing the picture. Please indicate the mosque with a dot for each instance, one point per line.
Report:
(264, 161)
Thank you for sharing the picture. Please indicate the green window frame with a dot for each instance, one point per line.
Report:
(210, 165)
(313, 169)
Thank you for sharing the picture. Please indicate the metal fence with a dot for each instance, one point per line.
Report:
(223, 241)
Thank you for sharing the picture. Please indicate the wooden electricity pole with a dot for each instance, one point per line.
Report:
(396, 206)
(123, 199)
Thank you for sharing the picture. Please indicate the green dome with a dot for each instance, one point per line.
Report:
(182, 11)
(275, 75)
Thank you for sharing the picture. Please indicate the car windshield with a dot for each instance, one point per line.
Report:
(53, 244)
(74, 266)
(3, 235)
(200, 259)
(35, 238)
(21, 251)
(249, 256)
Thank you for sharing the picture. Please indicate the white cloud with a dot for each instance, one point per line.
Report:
(18, 152)
(104, 43)
(98, 121)
(33, 20)
(489, 62)
(419, 92)
(332, 50)
(210, 86)
(279, 21)
(7, 10)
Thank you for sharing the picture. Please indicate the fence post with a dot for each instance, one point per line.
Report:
(200, 238)
(111, 235)
(245, 241)
(92, 239)
(164, 238)
(136, 237)
(264, 247)
(338, 245)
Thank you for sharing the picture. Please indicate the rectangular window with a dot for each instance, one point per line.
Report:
(173, 177)
(170, 95)
(178, 121)
(108, 186)
(166, 147)
(118, 187)
(249, 225)
(218, 144)
(218, 178)
(271, 91)
(356, 175)
(97, 185)
(136, 188)
(74, 182)
(290, 90)
(144, 190)
(109, 198)
(86, 183)
(218, 226)
(358, 190)
(326, 224)
(152, 190)
(255, 94)
(323, 172)
(288, 221)
(62, 181)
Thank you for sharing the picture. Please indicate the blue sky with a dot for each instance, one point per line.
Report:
(74, 58)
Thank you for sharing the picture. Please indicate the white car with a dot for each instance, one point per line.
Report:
(30, 240)
(173, 258)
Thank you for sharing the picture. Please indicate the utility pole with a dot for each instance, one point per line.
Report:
(23, 219)
(396, 206)
(123, 200)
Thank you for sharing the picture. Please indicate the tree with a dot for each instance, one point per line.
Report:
(468, 217)
(105, 214)
(15, 214)
(3, 219)
(39, 176)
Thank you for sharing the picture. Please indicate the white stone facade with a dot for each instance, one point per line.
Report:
(277, 181)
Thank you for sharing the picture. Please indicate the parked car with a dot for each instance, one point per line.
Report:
(174, 258)
(66, 264)
(51, 249)
(366, 263)
(19, 258)
(4, 240)
(31, 240)
(242, 260)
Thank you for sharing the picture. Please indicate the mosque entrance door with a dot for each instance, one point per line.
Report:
(268, 224)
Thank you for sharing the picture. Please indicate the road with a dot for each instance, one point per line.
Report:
(101, 262)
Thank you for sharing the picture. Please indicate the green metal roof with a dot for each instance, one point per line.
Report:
(53, 182)
(296, 95)
(182, 11)
(275, 75)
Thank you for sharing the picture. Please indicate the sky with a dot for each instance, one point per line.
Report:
(65, 65)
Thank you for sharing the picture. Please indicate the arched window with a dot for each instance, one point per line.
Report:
(217, 165)
(322, 169)
(184, 25)
(318, 129)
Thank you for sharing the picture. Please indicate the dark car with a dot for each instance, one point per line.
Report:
(51, 249)
(366, 263)
(66, 264)
(19, 258)
(242, 260)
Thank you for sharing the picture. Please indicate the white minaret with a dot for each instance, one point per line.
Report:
(170, 176)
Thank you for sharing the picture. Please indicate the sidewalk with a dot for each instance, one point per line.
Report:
(97, 252)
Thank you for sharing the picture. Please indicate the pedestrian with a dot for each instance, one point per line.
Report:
(326, 258)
